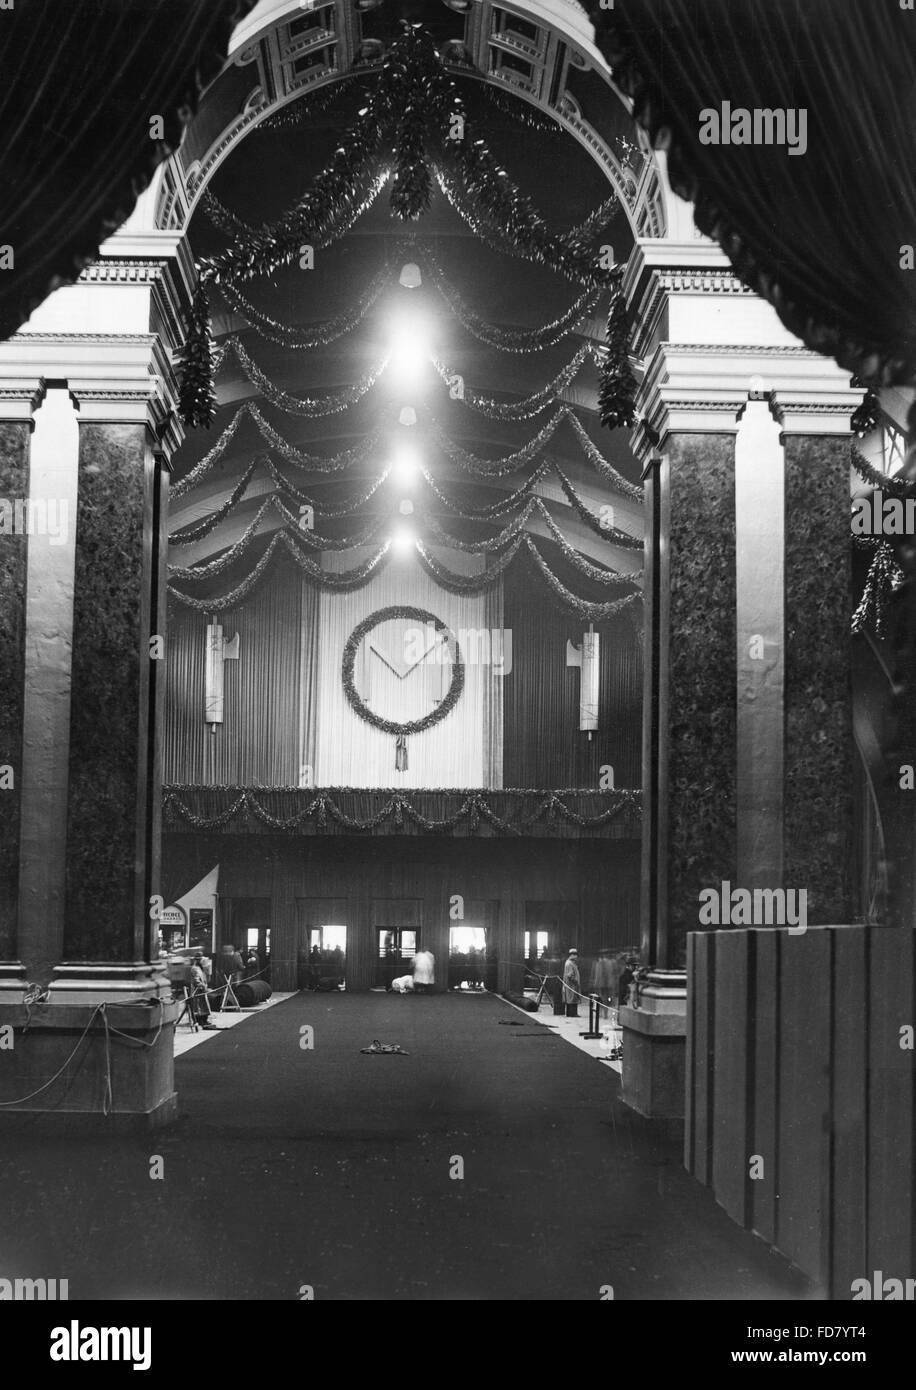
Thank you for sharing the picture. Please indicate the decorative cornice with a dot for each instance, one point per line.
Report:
(20, 398)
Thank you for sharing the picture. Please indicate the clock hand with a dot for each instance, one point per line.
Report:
(388, 662)
(438, 640)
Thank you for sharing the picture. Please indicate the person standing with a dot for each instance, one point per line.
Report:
(424, 971)
(572, 984)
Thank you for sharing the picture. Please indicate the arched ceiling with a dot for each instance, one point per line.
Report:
(270, 162)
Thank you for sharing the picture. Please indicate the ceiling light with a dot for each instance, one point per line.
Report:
(403, 540)
(406, 465)
(405, 507)
(409, 352)
(410, 276)
(408, 416)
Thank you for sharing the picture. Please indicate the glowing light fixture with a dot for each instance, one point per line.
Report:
(408, 416)
(403, 541)
(406, 465)
(410, 276)
(409, 352)
(405, 507)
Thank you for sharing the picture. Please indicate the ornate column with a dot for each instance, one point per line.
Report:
(18, 399)
(737, 509)
(95, 635)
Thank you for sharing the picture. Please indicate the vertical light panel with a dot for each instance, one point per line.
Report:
(760, 598)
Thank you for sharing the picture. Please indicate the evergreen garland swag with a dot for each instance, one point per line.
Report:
(414, 116)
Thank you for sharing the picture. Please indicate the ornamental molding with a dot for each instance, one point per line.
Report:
(19, 399)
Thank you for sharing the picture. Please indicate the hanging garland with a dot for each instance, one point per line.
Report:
(617, 393)
(866, 417)
(413, 107)
(467, 583)
(590, 612)
(397, 808)
(600, 463)
(516, 340)
(599, 574)
(612, 534)
(528, 406)
(326, 511)
(307, 538)
(316, 335)
(896, 487)
(325, 579)
(355, 701)
(349, 458)
(312, 408)
(496, 509)
(189, 534)
(884, 577)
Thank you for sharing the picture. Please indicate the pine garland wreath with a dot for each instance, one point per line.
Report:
(356, 703)
(197, 397)
(865, 418)
(617, 394)
(884, 576)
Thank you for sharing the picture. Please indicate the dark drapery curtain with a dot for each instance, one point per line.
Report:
(818, 234)
(79, 83)
(542, 743)
(269, 692)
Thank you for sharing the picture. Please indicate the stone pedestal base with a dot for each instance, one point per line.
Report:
(654, 1047)
(88, 1067)
(13, 983)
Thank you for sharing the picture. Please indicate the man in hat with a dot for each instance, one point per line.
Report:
(572, 984)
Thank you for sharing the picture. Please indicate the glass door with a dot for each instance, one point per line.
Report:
(397, 947)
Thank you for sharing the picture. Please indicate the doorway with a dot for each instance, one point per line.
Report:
(397, 947)
(327, 957)
(467, 958)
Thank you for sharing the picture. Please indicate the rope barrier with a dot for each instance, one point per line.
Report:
(100, 1009)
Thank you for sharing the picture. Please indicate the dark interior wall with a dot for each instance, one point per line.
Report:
(411, 882)
(258, 743)
(543, 746)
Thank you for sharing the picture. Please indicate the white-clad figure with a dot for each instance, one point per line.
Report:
(424, 971)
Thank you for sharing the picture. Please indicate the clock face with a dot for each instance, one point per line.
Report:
(402, 670)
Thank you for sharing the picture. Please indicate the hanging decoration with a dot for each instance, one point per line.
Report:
(617, 393)
(308, 336)
(312, 408)
(315, 463)
(884, 576)
(289, 808)
(401, 728)
(896, 487)
(528, 406)
(612, 534)
(326, 579)
(865, 418)
(599, 574)
(411, 111)
(517, 340)
(187, 535)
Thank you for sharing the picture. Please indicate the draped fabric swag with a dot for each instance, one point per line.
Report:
(835, 280)
(80, 82)
(269, 691)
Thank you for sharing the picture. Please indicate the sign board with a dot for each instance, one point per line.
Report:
(171, 917)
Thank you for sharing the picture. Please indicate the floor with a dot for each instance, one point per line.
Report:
(491, 1162)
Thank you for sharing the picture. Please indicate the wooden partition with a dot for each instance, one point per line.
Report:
(796, 1072)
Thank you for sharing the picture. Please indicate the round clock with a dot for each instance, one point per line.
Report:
(380, 650)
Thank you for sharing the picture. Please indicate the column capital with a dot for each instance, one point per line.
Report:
(20, 397)
(116, 377)
(697, 387)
